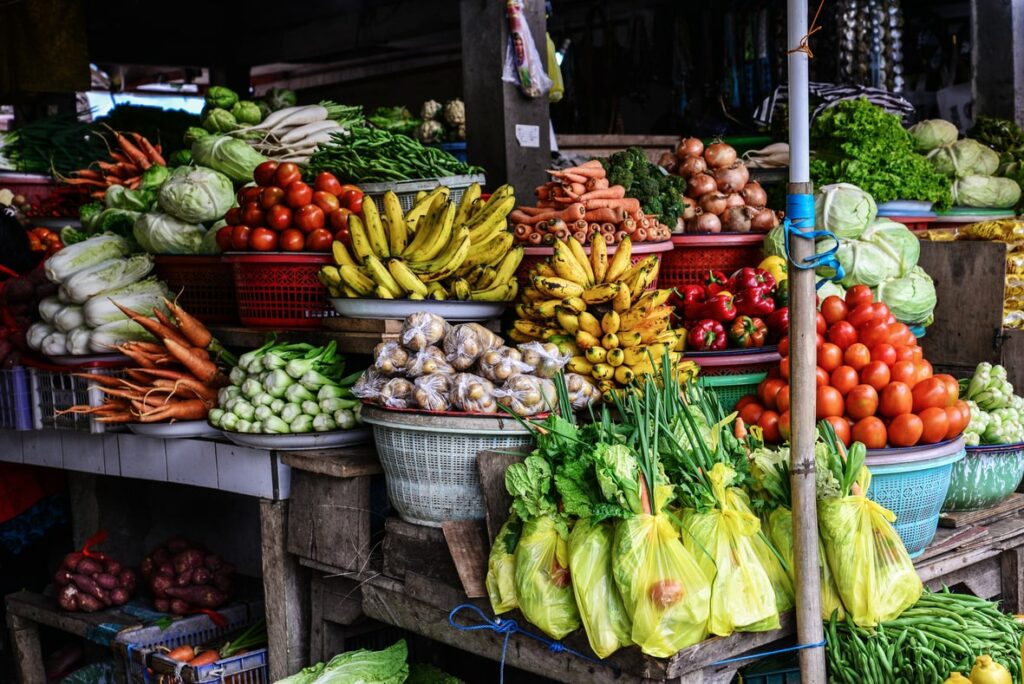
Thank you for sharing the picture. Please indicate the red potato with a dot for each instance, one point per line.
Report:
(147, 567)
(165, 570)
(62, 578)
(112, 567)
(66, 599)
(104, 597)
(203, 597)
(213, 562)
(87, 584)
(184, 579)
(188, 560)
(179, 607)
(87, 603)
(87, 566)
(128, 580)
(119, 596)
(162, 605)
(201, 576)
(160, 584)
(160, 555)
(72, 560)
(106, 581)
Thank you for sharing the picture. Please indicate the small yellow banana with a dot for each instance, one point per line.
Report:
(529, 328)
(565, 264)
(459, 288)
(602, 371)
(589, 323)
(624, 375)
(382, 276)
(599, 294)
(622, 300)
(406, 278)
(610, 341)
(579, 364)
(599, 257)
(610, 322)
(620, 260)
(354, 277)
(567, 319)
(360, 240)
(547, 308)
(581, 257)
(596, 354)
(558, 287)
(374, 228)
(341, 255)
(575, 303)
(471, 194)
(398, 229)
(585, 340)
(616, 357)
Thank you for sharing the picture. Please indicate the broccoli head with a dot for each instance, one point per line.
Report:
(621, 175)
(646, 189)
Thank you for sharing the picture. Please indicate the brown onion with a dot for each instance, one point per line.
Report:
(732, 178)
(738, 219)
(690, 147)
(704, 223)
(734, 200)
(701, 184)
(713, 203)
(754, 195)
(691, 166)
(689, 207)
(668, 161)
(719, 155)
(764, 220)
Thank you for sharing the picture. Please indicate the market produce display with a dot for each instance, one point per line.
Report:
(197, 655)
(1009, 232)
(88, 581)
(434, 366)
(436, 250)
(186, 578)
(51, 144)
(659, 194)
(441, 123)
(720, 197)
(873, 383)
(997, 414)
(859, 143)
(601, 310)
(746, 309)
(1007, 139)
(132, 155)
(387, 666)
(282, 389)
(283, 213)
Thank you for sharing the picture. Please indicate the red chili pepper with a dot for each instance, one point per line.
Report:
(778, 322)
(755, 302)
(746, 332)
(720, 308)
(749, 278)
(716, 282)
(706, 335)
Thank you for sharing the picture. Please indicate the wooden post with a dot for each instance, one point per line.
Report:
(997, 58)
(508, 134)
(25, 638)
(285, 594)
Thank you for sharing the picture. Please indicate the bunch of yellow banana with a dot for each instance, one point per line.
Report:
(436, 250)
(600, 310)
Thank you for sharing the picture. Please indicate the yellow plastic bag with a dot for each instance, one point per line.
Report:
(874, 574)
(542, 585)
(501, 567)
(780, 531)
(554, 72)
(662, 586)
(742, 595)
(785, 596)
(590, 561)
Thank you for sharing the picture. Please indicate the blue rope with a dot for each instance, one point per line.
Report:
(798, 647)
(508, 627)
(799, 217)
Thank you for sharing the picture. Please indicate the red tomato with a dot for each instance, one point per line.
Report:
(870, 432)
(861, 402)
(924, 370)
(326, 201)
(270, 196)
(240, 237)
(905, 372)
(857, 356)
(930, 392)
(885, 352)
(784, 346)
(352, 199)
(936, 425)
(339, 218)
(842, 334)
(821, 377)
(252, 215)
(224, 238)
(857, 295)
(841, 427)
(784, 431)
(326, 182)
(828, 402)
(751, 413)
(952, 387)
(250, 193)
(744, 400)
(862, 315)
(819, 340)
(319, 240)
(899, 333)
(905, 430)
(820, 325)
(768, 391)
(309, 218)
(833, 309)
(279, 217)
(958, 415)
(234, 216)
(263, 240)
(917, 353)
(844, 379)
(896, 400)
(298, 194)
(784, 368)
(873, 334)
(292, 240)
(782, 399)
(350, 186)
(264, 173)
(286, 174)
(769, 424)
(830, 357)
(875, 374)
(344, 237)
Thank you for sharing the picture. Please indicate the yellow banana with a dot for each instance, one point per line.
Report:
(427, 229)
(384, 293)
(484, 226)
(565, 264)
(419, 196)
(616, 357)
(529, 328)
(406, 278)
(569, 321)
(382, 276)
(448, 260)
(622, 300)
(360, 240)
(506, 268)
(558, 287)
(624, 375)
(525, 311)
(579, 364)
(485, 278)
(423, 206)
(599, 294)
(599, 257)
(550, 334)
(353, 277)
(532, 294)
(649, 331)
(500, 203)
(499, 292)
(398, 230)
(416, 296)
(437, 291)
(374, 228)
(519, 337)
(581, 257)
(632, 271)
(544, 269)
(610, 322)
(575, 303)
(602, 371)
(680, 340)
(590, 324)
(471, 194)
(629, 338)
(596, 354)
(638, 283)
(546, 309)
(654, 297)
(330, 276)
(489, 252)
(459, 288)
(639, 355)
(620, 260)
(442, 239)
(610, 341)
(349, 292)
(585, 340)
(341, 255)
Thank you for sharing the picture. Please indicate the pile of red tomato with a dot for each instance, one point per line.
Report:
(282, 213)
(873, 383)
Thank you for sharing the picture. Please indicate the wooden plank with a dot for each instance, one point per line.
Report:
(354, 461)
(492, 465)
(1011, 579)
(1011, 506)
(347, 342)
(419, 548)
(43, 610)
(28, 655)
(468, 546)
(285, 592)
(698, 656)
(952, 542)
(330, 519)
(372, 571)
(1012, 355)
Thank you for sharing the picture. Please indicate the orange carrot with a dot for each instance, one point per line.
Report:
(138, 357)
(542, 192)
(171, 325)
(120, 417)
(577, 188)
(192, 409)
(203, 369)
(580, 236)
(194, 331)
(85, 181)
(628, 204)
(148, 347)
(522, 230)
(532, 211)
(148, 149)
(157, 328)
(191, 384)
(597, 184)
(628, 225)
(205, 658)
(105, 380)
(133, 152)
(580, 174)
(182, 653)
(89, 173)
(614, 192)
(604, 215)
(535, 238)
(640, 235)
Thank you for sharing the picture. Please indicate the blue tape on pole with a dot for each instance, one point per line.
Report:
(799, 222)
(791, 649)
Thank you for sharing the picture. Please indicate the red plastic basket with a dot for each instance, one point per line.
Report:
(695, 255)
(640, 250)
(725, 363)
(280, 290)
(205, 284)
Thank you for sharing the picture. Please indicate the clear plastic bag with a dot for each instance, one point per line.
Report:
(472, 394)
(582, 392)
(421, 329)
(396, 393)
(545, 358)
(369, 385)
(430, 392)
(601, 608)
(498, 365)
(467, 342)
(501, 567)
(527, 395)
(426, 361)
(390, 358)
(542, 581)
(523, 63)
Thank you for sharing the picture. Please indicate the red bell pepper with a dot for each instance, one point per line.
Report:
(749, 278)
(691, 300)
(706, 335)
(755, 302)
(716, 282)
(719, 308)
(778, 322)
(746, 332)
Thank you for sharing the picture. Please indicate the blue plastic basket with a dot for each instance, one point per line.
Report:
(731, 388)
(15, 400)
(915, 491)
(456, 149)
(779, 670)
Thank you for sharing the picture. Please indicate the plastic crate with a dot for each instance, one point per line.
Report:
(204, 287)
(779, 670)
(986, 475)
(639, 250)
(56, 390)
(731, 388)
(695, 255)
(406, 190)
(138, 649)
(15, 399)
(728, 363)
(280, 290)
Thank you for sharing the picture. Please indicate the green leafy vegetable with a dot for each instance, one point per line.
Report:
(659, 193)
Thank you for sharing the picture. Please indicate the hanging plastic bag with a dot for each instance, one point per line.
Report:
(554, 71)
(523, 64)
(601, 608)
(542, 581)
(722, 541)
(780, 531)
(501, 567)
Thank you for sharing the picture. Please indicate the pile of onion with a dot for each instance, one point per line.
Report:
(720, 197)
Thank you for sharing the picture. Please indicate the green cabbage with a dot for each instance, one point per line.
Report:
(194, 133)
(865, 263)
(142, 296)
(107, 275)
(108, 336)
(933, 133)
(844, 209)
(209, 244)
(219, 96)
(775, 242)
(829, 288)
(232, 157)
(897, 241)
(358, 667)
(986, 191)
(219, 120)
(246, 112)
(197, 194)
(964, 158)
(164, 234)
(82, 255)
(155, 176)
(911, 298)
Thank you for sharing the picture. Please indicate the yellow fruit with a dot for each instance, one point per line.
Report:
(447, 262)
(599, 294)
(471, 194)
(384, 293)
(529, 328)
(610, 341)
(585, 340)
(423, 206)
(356, 278)
(527, 312)
(575, 303)
(416, 296)
(632, 271)
(497, 292)
(565, 264)
(546, 309)
(406, 278)
(544, 269)
(532, 294)
(602, 371)
(581, 257)
(590, 324)
(616, 357)
(599, 257)
(519, 336)
(621, 301)
(380, 274)
(567, 319)
(654, 298)
(375, 229)
(341, 255)
(558, 287)
(624, 375)
(680, 340)
(629, 338)
(360, 240)
(637, 284)
(579, 364)
(610, 322)
(459, 287)
(330, 276)
(398, 230)
(596, 354)
(620, 260)
(650, 330)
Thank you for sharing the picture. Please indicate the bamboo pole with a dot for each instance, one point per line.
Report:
(803, 361)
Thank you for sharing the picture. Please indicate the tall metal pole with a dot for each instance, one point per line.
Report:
(802, 335)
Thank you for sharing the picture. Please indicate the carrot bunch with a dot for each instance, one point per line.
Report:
(177, 377)
(580, 202)
(132, 155)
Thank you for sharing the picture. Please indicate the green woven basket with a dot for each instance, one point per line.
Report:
(731, 388)
(985, 477)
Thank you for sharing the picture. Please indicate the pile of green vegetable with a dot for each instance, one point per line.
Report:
(59, 144)
(395, 120)
(225, 111)
(997, 414)
(1007, 139)
(659, 193)
(860, 143)
(371, 667)
(441, 123)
